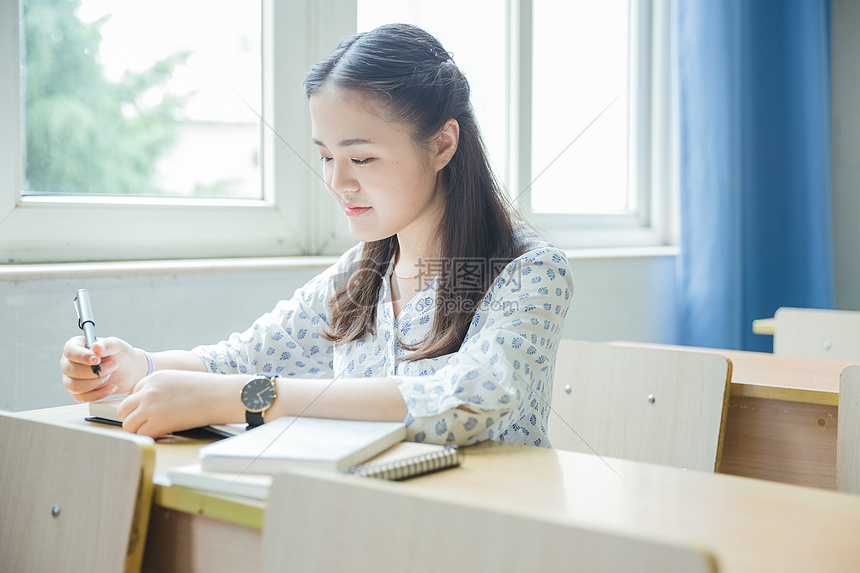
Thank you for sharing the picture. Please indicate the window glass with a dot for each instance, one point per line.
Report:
(122, 97)
(579, 129)
(474, 33)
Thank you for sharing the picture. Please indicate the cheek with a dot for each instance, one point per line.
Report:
(326, 179)
(331, 191)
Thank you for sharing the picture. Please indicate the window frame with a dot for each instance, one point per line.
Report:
(652, 136)
(53, 228)
(296, 215)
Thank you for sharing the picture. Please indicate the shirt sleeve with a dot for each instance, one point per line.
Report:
(288, 341)
(500, 381)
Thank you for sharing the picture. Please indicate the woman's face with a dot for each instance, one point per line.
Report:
(384, 183)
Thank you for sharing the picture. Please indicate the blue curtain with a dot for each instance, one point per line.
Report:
(755, 185)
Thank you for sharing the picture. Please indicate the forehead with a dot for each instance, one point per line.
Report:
(339, 114)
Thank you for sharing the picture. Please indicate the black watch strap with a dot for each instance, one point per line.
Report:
(254, 419)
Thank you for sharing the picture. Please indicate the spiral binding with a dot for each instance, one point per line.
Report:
(410, 467)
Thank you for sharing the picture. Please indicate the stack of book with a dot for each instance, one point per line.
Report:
(243, 463)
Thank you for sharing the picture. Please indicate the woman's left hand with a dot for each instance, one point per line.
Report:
(173, 400)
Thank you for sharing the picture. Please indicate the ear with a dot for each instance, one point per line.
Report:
(446, 143)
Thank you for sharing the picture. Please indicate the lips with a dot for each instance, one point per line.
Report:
(354, 211)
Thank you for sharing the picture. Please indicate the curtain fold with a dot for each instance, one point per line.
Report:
(755, 183)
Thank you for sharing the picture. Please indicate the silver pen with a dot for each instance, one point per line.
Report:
(87, 323)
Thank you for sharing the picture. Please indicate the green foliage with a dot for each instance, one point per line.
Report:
(83, 132)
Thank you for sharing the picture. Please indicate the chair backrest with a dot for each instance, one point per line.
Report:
(848, 431)
(655, 405)
(817, 333)
(331, 522)
(72, 499)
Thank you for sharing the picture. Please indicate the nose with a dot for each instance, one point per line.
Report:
(341, 181)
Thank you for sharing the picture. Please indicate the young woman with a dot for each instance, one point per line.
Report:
(447, 313)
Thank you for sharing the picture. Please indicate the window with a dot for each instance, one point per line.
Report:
(230, 172)
(579, 125)
(592, 132)
(566, 93)
(483, 62)
(125, 98)
(249, 200)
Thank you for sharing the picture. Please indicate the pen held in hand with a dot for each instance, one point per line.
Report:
(87, 323)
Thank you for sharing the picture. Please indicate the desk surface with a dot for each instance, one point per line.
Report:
(750, 525)
(792, 378)
(766, 375)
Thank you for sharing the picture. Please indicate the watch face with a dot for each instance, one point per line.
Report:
(258, 394)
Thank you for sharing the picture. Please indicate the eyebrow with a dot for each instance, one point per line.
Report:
(346, 142)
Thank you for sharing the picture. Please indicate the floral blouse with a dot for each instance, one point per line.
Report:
(497, 386)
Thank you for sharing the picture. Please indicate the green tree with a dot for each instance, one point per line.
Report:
(84, 133)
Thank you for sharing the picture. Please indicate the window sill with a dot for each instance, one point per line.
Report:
(198, 266)
(622, 252)
(144, 268)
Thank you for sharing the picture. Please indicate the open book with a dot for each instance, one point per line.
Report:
(104, 411)
(291, 441)
(401, 461)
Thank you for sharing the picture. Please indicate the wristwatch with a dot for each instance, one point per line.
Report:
(258, 394)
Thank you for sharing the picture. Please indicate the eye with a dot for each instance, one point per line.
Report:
(325, 159)
(362, 161)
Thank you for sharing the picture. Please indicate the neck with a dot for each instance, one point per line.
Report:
(419, 245)
(412, 261)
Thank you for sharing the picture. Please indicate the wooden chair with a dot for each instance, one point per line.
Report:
(369, 525)
(72, 499)
(655, 405)
(848, 431)
(817, 333)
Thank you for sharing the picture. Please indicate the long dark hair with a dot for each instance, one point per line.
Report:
(415, 79)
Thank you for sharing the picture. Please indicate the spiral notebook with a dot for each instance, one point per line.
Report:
(430, 461)
(403, 461)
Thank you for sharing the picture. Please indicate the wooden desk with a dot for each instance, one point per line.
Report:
(782, 417)
(750, 525)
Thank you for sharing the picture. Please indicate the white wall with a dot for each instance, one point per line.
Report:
(623, 298)
(155, 310)
(175, 307)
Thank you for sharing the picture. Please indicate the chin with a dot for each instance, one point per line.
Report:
(366, 235)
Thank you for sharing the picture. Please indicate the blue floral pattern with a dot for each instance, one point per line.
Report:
(498, 386)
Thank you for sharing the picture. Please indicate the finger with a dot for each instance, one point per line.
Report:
(78, 378)
(83, 372)
(102, 352)
(75, 374)
(108, 346)
(109, 365)
(102, 391)
(76, 351)
(149, 429)
(127, 407)
(132, 419)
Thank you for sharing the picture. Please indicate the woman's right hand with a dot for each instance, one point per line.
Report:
(122, 366)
